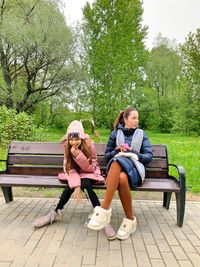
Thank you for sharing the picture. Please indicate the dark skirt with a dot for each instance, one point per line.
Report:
(129, 168)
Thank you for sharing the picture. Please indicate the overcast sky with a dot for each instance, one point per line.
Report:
(173, 18)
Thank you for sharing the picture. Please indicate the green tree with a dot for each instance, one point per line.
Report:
(188, 106)
(35, 56)
(163, 71)
(115, 56)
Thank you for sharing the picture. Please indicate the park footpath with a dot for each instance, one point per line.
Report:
(158, 241)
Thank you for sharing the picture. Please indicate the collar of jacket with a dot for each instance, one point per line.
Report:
(127, 131)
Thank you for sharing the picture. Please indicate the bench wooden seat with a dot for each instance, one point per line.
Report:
(37, 164)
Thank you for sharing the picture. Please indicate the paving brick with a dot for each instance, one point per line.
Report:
(89, 256)
(184, 263)
(179, 253)
(47, 260)
(142, 258)
(4, 264)
(138, 244)
(115, 258)
(153, 252)
(128, 254)
(157, 263)
(148, 238)
(169, 259)
(187, 246)
(194, 258)
(63, 254)
(170, 238)
(198, 250)
(194, 240)
(163, 245)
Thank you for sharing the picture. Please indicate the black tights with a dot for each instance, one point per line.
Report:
(85, 184)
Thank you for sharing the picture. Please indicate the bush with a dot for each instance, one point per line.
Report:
(15, 126)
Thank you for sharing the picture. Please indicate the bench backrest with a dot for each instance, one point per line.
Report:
(46, 158)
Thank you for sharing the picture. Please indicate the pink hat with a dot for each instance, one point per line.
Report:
(76, 127)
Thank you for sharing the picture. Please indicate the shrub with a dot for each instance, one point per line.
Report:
(16, 126)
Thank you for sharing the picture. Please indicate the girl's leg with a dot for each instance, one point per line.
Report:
(125, 195)
(87, 184)
(129, 223)
(65, 196)
(50, 217)
(112, 183)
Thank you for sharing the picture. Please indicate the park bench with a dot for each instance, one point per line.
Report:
(37, 164)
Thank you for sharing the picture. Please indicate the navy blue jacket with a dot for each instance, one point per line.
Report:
(145, 154)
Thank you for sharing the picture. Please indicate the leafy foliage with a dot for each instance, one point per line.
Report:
(15, 126)
(35, 46)
(115, 55)
(163, 71)
(188, 108)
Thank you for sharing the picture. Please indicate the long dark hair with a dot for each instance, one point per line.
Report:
(122, 115)
(69, 158)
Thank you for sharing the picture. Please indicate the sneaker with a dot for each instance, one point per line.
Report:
(47, 219)
(109, 232)
(99, 219)
(90, 215)
(127, 228)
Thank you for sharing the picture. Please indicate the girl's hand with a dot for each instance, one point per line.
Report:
(74, 151)
(124, 147)
(78, 194)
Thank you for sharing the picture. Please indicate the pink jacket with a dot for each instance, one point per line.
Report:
(87, 169)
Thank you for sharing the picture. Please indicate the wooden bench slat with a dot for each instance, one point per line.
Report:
(35, 170)
(58, 160)
(50, 148)
(155, 163)
(158, 163)
(158, 185)
(35, 160)
(153, 185)
(156, 173)
(159, 151)
(32, 181)
(54, 170)
(53, 148)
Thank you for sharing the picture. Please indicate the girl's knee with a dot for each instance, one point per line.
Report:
(123, 178)
(68, 190)
(85, 183)
(115, 167)
(115, 163)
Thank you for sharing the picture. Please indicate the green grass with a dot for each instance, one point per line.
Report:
(182, 150)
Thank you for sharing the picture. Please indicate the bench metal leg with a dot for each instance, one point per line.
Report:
(166, 199)
(7, 192)
(180, 207)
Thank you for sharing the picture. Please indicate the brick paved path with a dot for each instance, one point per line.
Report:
(66, 243)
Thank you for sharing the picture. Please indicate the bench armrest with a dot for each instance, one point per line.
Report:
(181, 173)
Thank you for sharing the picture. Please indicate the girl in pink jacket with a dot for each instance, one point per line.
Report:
(80, 170)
